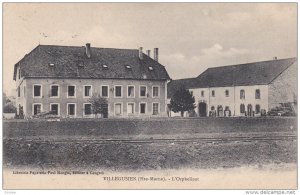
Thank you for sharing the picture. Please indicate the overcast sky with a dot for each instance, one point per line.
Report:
(190, 37)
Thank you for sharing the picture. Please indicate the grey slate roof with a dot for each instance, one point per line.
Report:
(256, 73)
(67, 61)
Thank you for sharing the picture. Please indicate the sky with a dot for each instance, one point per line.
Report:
(191, 37)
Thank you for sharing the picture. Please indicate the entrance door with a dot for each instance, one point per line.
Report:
(202, 109)
(249, 110)
(105, 111)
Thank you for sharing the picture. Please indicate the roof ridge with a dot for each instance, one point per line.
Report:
(84, 46)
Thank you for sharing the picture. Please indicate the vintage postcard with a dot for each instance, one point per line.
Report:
(150, 96)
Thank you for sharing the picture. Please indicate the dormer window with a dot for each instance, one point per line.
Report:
(128, 67)
(51, 64)
(150, 68)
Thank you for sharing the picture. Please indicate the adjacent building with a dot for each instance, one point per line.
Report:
(242, 90)
(62, 79)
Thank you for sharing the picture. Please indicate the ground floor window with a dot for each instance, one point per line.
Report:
(87, 109)
(37, 108)
(257, 108)
(54, 109)
(155, 108)
(242, 108)
(130, 108)
(118, 109)
(142, 108)
(71, 109)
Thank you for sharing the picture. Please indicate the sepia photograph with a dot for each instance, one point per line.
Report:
(150, 96)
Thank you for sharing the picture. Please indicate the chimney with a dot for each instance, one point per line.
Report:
(141, 53)
(155, 54)
(88, 50)
(148, 52)
(275, 58)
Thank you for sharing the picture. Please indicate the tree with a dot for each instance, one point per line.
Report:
(9, 108)
(99, 105)
(182, 101)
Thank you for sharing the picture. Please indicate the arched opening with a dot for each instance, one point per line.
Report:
(202, 109)
(249, 110)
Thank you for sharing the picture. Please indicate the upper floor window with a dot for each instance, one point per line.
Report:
(213, 93)
(155, 91)
(87, 91)
(118, 91)
(37, 91)
(71, 91)
(104, 91)
(257, 94)
(143, 91)
(19, 92)
(202, 93)
(227, 93)
(130, 91)
(242, 94)
(54, 91)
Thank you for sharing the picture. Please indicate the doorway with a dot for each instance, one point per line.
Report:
(202, 109)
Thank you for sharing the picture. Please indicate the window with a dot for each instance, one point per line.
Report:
(37, 91)
(54, 109)
(37, 108)
(212, 108)
(118, 91)
(143, 91)
(202, 93)
(87, 109)
(227, 93)
(71, 109)
(104, 91)
(19, 73)
(71, 91)
(155, 108)
(54, 91)
(142, 108)
(130, 91)
(87, 91)
(242, 94)
(213, 93)
(118, 109)
(242, 108)
(130, 108)
(155, 91)
(257, 94)
(257, 108)
(19, 92)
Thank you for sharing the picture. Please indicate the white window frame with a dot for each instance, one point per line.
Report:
(133, 91)
(58, 92)
(158, 95)
(130, 114)
(33, 108)
(145, 108)
(116, 90)
(158, 109)
(75, 91)
(75, 111)
(41, 94)
(140, 91)
(84, 91)
(84, 110)
(58, 108)
(107, 91)
(121, 109)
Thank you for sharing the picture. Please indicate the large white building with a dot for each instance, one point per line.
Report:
(242, 90)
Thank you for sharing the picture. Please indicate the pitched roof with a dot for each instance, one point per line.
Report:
(256, 73)
(72, 62)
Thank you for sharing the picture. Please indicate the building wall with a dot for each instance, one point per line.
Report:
(284, 88)
(62, 100)
(233, 100)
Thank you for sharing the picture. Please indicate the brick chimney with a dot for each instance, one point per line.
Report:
(155, 54)
(148, 52)
(141, 53)
(88, 50)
